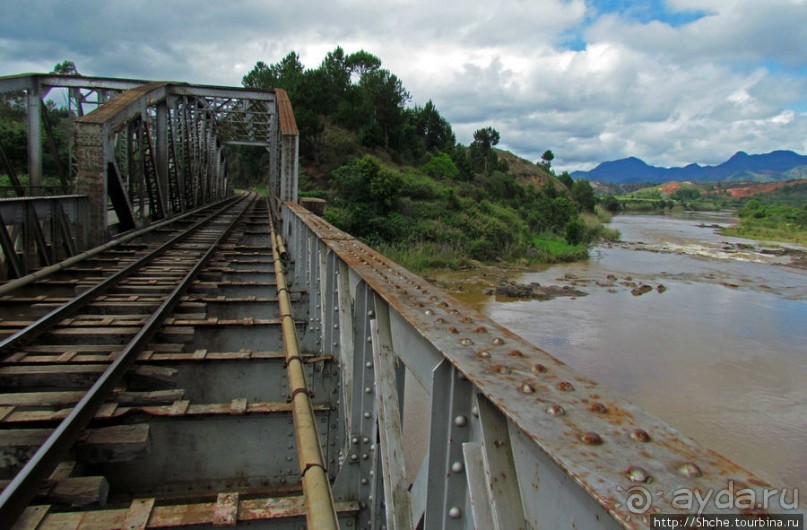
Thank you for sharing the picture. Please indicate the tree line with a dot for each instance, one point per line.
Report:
(353, 91)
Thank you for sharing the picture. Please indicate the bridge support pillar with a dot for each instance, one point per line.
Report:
(91, 178)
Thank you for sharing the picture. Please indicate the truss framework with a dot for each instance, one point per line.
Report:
(156, 149)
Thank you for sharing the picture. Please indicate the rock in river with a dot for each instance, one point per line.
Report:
(535, 291)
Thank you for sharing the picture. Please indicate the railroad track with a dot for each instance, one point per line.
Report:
(157, 384)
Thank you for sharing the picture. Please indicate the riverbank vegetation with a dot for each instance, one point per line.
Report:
(771, 211)
(771, 222)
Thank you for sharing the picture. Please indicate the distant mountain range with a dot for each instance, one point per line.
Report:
(771, 167)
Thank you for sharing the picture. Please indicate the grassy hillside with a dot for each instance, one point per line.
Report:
(424, 219)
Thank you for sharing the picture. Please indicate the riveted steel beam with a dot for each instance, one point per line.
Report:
(515, 437)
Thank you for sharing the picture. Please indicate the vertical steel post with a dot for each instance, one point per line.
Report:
(34, 137)
(161, 150)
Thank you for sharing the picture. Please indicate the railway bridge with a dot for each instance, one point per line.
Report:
(177, 354)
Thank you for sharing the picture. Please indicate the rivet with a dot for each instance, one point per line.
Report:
(484, 354)
(689, 470)
(498, 341)
(440, 320)
(591, 438)
(365, 440)
(539, 368)
(371, 314)
(368, 390)
(369, 339)
(516, 353)
(429, 312)
(466, 342)
(637, 474)
(460, 421)
(526, 388)
(564, 386)
(336, 326)
(453, 330)
(555, 410)
(364, 481)
(457, 467)
(597, 407)
(367, 415)
(501, 369)
(481, 329)
(365, 456)
(354, 458)
(640, 435)
(454, 513)
(369, 365)
(355, 439)
(475, 412)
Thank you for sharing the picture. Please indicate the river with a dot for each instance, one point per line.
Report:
(719, 351)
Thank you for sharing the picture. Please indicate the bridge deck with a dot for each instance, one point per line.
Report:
(419, 411)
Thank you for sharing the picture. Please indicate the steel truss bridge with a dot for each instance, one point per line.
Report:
(173, 354)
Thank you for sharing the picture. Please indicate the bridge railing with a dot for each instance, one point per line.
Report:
(39, 231)
(452, 420)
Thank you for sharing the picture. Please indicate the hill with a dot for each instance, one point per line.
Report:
(741, 167)
(527, 172)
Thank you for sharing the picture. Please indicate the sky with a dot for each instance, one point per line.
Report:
(672, 82)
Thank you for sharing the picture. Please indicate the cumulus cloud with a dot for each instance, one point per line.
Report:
(692, 82)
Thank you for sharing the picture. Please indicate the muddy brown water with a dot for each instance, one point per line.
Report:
(720, 353)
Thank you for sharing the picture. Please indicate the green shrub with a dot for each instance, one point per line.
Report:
(441, 166)
(576, 232)
(482, 249)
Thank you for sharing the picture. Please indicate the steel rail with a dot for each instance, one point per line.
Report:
(78, 258)
(44, 323)
(18, 494)
(319, 504)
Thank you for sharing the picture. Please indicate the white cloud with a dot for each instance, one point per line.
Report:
(672, 94)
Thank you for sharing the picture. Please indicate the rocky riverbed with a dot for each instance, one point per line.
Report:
(783, 255)
(485, 282)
